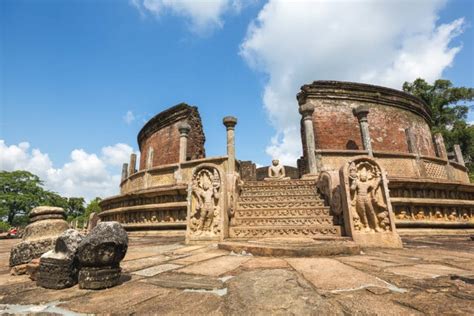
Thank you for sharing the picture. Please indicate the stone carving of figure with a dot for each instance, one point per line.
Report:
(206, 185)
(369, 209)
(276, 171)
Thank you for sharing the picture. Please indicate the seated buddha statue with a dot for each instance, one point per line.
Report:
(276, 172)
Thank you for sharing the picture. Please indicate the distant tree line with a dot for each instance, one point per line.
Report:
(449, 109)
(21, 191)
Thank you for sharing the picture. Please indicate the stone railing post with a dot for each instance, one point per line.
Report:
(458, 155)
(440, 147)
(184, 129)
(230, 122)
(132, 166)
(306, 110)
(361, 113)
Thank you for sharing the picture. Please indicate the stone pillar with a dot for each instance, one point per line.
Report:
(149, 158)
(230, 122)
(458, 155)
(440, 147)
(184, 129)
(132, 165)
(124, 171)
(411, 141)
(306, 110)
(361, 112)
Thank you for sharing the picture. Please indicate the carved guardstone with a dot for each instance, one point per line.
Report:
(206, 205)
(368, 215)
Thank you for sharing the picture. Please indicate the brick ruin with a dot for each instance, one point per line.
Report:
(358, 141)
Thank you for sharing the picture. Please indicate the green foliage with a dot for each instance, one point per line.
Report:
(21, 191)
(4, 227)
(93, 207)
(75, 207)
(449, 108)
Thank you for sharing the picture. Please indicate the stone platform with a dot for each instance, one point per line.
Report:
(432, 275)
(277, 247)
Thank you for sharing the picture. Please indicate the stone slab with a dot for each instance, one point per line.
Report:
(425, 271)
(201, 257)
(157, 269)
(265, 263)
(185, 281)
(113, 300)
(140, 264)
(188, 249)
(372, 261)
(216, 266)
(333, 276)
(275, 292)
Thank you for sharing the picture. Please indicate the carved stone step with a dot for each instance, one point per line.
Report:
(278, 188)
(278, 183)
(282, 221)
(279, 205)
(300, 212)
(284, 231)
(311, 192)
(276, 198)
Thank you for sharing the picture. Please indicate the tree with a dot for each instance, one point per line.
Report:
(449, 108)
(93, 207)
(21, 191)
(75, 207)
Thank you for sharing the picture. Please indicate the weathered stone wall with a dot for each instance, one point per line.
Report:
(391, 114)
(161, 135)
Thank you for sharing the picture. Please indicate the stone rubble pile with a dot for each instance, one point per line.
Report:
(99, 256)
(92, 261)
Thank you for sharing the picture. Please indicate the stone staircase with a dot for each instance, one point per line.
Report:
(281, 209)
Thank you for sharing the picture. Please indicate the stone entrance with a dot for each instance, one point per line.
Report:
(286, 208)
(285, 218)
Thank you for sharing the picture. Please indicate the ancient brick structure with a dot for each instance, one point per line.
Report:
(353, 119)
(370, 164)
(160, 136)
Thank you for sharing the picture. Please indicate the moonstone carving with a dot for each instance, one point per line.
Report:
(206, 209)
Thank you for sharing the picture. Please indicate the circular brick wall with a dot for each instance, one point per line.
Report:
(392, 112)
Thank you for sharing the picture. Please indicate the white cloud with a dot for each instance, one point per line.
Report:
(386, 43)
(203, 16)
(87, 175)
(129, 117)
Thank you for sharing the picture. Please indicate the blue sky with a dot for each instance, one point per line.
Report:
(71, 70)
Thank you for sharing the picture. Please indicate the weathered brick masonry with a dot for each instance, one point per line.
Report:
(161, 134)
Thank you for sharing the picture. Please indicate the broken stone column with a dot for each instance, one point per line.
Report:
(133, 164)
(46, 224)
(306, 110)
(93, 221)
(59, 267)
(361, 113)
(229, 123)
(184, 129)
(124, 171)
(99, 255)
(458, 155)
(440, 147)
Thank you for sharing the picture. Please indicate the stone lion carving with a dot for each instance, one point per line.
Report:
(205, 212)
(368, 207)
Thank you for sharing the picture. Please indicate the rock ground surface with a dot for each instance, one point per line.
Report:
(432, 275)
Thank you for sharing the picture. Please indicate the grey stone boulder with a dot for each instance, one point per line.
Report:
(59, 267)
(99, 255)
